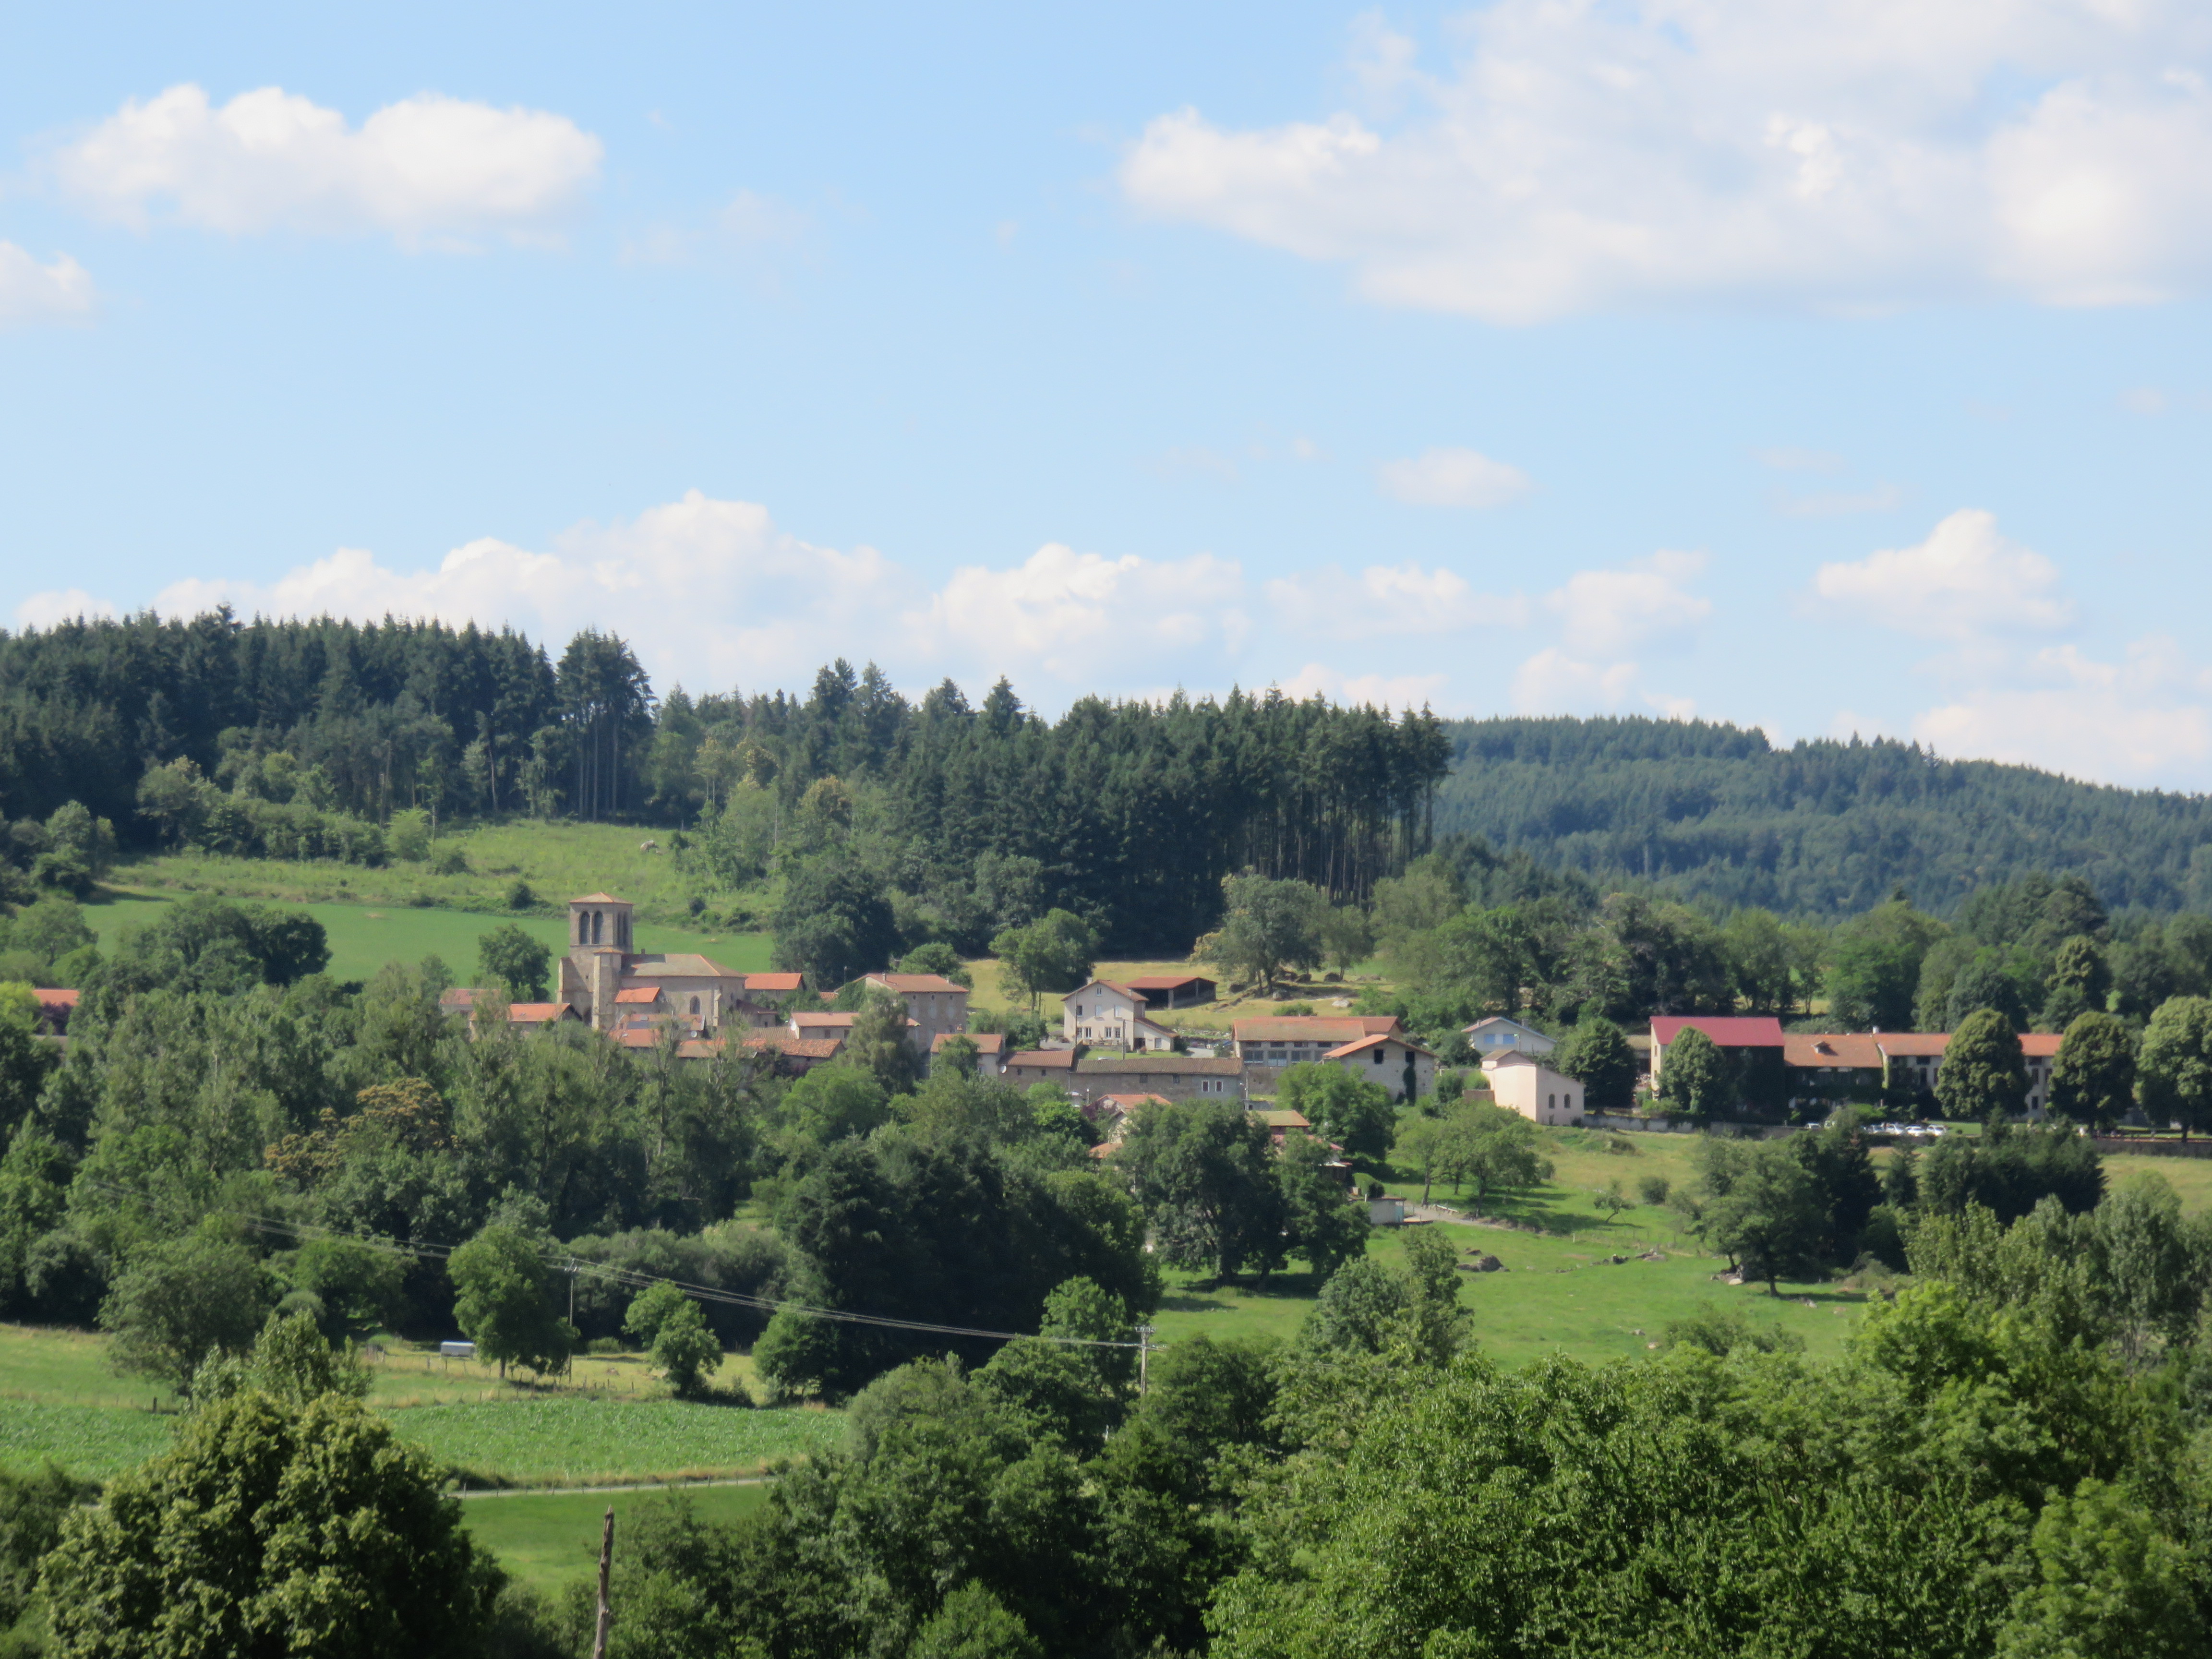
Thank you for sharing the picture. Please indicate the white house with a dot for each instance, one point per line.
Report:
(1498, 1035)
(1399, 1065)
(1101, 1012)
(1522, 1083)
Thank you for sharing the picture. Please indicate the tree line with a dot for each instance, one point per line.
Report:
(1717, 814)
(1998, 1464)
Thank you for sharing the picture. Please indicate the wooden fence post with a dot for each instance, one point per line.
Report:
(606, 1609)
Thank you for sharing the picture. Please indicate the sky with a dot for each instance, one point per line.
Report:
(1832, 368)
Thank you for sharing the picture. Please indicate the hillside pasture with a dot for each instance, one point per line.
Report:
(364, 937)
(550, 1540)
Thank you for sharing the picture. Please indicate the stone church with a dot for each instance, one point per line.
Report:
(611, 985)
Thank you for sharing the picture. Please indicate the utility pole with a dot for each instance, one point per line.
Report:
(1144, 1358)
(606, 1563)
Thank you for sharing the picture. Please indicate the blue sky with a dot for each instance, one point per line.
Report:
(1831, 366)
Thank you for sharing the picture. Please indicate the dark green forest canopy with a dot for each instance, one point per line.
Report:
(1129, 812)
(1824, 827)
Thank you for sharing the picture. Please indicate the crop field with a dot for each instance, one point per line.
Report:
(97, 1442)
(550, 1540)
(570, 1441)
(608, 1421)
(364, 937)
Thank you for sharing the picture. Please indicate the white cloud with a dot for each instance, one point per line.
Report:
(31, 292)
(1453, 478)
(1375, 690)
(1082, 616)
(1844, 154)
(1605, 619)
(66, 604)
(708, 591)
(1553, 683)
(2141, 720)
(1609, 613)
(427, 169)
(1965, 582)
(1388, 600)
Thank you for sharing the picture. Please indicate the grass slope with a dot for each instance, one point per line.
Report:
(363, 937)
(558, 860)
(568, 1441)
(549, 1541)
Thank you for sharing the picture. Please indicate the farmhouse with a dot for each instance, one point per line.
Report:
(935, 1007)
(1737, 1036)
(1291, 1039)
(990, 1049)
(1175, 1076)
(1041, 1066)
(1521, 1082)
(1099, 1011)
(1404, 1067)
(1498, 1034)
(1912, 1060)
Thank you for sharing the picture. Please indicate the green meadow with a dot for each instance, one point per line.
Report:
(364, 937)
(550, 1540)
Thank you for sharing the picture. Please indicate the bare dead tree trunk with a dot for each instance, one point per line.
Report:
(606, 1564)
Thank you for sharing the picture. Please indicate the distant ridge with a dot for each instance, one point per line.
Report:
(1716, 812)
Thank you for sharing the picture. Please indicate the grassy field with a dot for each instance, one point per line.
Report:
(558, 860)
(1562, 1292)
(568, 1441)
(364, 937)
(609, 1421)
(551, 1539)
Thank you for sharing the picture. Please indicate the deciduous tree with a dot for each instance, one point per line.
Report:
(1982, 1070)
(2174, 1065)
(2092, 1080)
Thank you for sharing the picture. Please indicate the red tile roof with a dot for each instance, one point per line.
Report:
(638, 994)
(774, 984)
(538, 1013)
(1854, 1050)
(1361, 1045)
(2040, 1045)
(1728, 1031)
(54, 998)
(918, 984)
(1042, 1060)
(1912, 1044)
(987, 1042)
(830, 1022)
(798, 1047)
(1130, 1102)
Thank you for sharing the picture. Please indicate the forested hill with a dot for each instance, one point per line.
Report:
(1718, 813)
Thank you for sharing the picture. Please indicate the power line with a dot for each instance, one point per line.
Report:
(301, 1232)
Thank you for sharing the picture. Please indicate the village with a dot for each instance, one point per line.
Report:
(1112, 1055)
